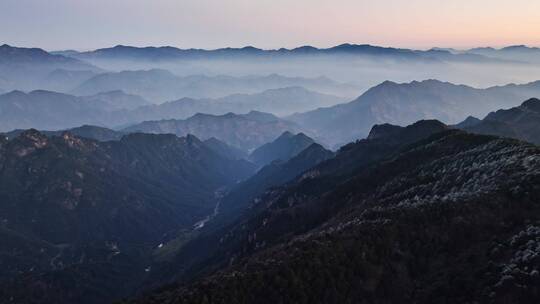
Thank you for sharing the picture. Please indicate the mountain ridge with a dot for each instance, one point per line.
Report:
(245, 131)
(409, 214)
(283, 148)
(404, 103)
(520, 122)
(171, 53)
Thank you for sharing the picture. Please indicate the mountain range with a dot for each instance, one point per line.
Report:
(122, 52)
(332, 126)
(519, 122)
(194, 214)
(69, 71)
(514, 52)
(446, 217)
(166, 175)
(245, 131)
(402, 104)
(281, 102)
(244, 200)
(27, 68)
(48, 110)
(158, 85)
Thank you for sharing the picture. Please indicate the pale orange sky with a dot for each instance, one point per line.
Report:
(87, 24)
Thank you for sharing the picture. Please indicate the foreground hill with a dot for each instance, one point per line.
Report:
(520, 122)
(209, 252)
(402, 104)
(245, 131)
(451, 218)
(78, 212)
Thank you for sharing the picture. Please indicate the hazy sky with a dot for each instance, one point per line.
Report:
(87, 24)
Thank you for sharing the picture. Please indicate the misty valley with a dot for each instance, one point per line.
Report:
(348, 174)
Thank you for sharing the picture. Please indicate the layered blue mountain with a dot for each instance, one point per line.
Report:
(514, 52)
(402, 104)
(158, 85)
(47, 110)
(281, 102)
(520, 122)
(30, 68)
(121, 52)
(245, 131)
(283, 148)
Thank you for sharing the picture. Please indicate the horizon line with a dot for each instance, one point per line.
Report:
(140, 46)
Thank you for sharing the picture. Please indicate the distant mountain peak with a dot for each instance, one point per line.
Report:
(250, 48)
(46, 92)
(261, 116)
(470, 121)
(286, 134)
(112, 92)
(388, 83)
(428, 124)
(419, 129)
(383, 130)
(192, 139)
(515, 47)
(302, 135)
(532, 104)
(285, 147)
(15, 93)
(521, 122)
(430, 82)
